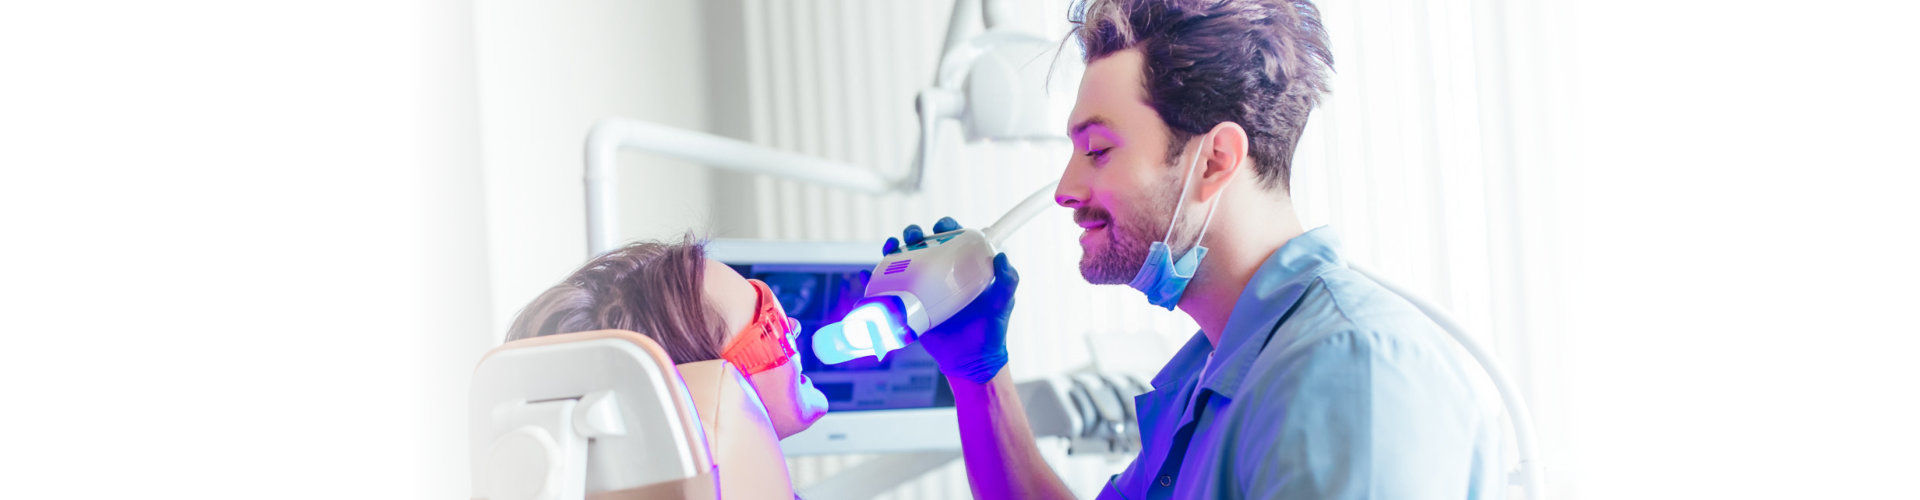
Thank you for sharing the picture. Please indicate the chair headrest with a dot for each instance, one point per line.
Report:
(615, 389)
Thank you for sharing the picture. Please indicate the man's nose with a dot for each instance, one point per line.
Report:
(1071, 192)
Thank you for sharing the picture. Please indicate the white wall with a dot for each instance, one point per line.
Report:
(1741, 314)
(243, 249)
(548, 71)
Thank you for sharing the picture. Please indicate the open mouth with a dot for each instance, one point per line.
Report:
(1091, 228)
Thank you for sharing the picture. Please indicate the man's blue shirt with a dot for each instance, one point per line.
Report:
(1325, 386)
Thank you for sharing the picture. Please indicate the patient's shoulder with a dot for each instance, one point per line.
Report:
(740, 436)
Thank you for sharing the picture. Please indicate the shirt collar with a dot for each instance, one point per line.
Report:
(1272, 292)
(1186, 363)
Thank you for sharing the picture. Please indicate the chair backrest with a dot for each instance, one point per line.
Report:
(599, 415)
(745, 446)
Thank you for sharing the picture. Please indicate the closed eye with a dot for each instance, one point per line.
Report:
(1096, 153)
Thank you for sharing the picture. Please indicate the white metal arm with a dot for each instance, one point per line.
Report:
(612, 135)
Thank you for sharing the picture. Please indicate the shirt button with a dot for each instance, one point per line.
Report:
(1166, 480)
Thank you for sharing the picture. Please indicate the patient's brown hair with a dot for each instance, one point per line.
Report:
(651, 287)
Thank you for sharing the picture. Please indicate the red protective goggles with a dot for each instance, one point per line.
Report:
(767, 342)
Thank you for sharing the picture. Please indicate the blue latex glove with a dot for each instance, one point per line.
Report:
(972, 344)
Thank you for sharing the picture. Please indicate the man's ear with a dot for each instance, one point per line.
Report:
(1226, 157)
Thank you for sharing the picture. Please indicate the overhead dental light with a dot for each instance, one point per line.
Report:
(994, 81)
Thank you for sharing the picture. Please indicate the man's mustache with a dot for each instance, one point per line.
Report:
(1084, 214)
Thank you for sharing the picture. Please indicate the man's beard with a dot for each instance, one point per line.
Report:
(1128, 241)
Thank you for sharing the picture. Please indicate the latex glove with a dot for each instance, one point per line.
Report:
(971, 345)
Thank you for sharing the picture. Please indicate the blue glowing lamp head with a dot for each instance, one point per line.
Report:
(873, 328)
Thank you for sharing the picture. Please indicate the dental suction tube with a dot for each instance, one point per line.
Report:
(1020, 214)
(1529, 474)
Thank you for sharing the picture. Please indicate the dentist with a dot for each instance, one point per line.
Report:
(1306, 380)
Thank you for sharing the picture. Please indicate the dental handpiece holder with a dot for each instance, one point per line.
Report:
(919, 287)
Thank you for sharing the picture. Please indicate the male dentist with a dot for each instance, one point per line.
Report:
(1306, 380)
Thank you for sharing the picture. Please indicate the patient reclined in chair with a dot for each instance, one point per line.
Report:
(728, 336)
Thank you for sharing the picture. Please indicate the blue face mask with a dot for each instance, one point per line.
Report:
(1162, 277)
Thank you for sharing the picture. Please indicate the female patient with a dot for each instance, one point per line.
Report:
(697, 309)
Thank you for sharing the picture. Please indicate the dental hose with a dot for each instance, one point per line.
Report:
(1020, 215)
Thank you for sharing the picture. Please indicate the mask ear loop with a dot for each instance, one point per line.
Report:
(1185, 184)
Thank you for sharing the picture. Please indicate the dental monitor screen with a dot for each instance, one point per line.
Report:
(818, 284)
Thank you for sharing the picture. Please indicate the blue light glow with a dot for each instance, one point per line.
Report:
(869, 330)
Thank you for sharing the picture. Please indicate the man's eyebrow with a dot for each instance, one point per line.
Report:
(1085, 124)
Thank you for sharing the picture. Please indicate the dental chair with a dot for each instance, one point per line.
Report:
(605, 415)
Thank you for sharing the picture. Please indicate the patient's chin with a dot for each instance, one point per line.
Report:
(804, 406)
(793, 404)
(813, 405)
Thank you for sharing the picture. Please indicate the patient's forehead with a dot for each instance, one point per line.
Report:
(731, 295)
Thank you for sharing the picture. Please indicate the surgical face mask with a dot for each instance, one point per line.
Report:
(1162, 277)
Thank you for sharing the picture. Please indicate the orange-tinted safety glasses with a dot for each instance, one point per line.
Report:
(767, 342)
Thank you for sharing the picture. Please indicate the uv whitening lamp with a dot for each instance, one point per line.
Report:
(921, 286)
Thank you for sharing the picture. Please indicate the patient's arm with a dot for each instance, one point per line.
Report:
(741, 437)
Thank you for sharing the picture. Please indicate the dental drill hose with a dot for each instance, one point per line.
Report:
(1019, 215)
(919, 287)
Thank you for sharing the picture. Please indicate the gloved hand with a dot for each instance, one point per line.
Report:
(971, 345)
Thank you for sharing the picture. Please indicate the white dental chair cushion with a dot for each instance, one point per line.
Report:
(602, 415)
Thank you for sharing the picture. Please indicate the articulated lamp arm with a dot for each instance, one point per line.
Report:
(612, 135)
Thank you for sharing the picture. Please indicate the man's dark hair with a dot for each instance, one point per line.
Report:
(1260, 63)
